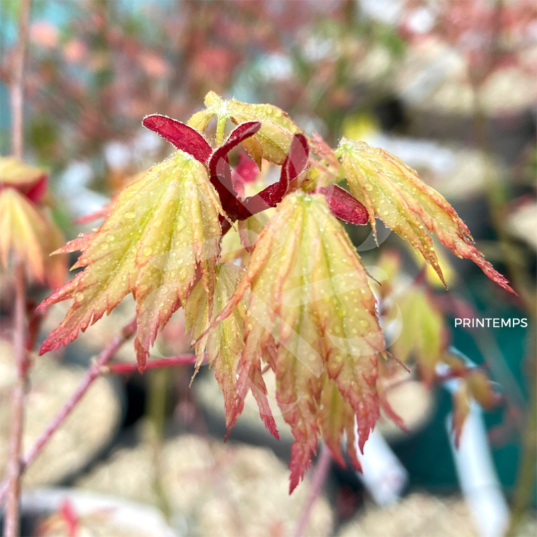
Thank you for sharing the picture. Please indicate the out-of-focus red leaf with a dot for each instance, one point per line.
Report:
(29, 180)
(70, 517)
(246, 171)
(37, 191)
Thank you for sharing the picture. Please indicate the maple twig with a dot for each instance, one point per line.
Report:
(317, 483)
(11, 523)
(17, 83)
(184, 359)
(91, 375)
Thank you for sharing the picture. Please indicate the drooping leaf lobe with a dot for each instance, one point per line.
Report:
(391, 190)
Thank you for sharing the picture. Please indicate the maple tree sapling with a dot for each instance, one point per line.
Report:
(296, 300)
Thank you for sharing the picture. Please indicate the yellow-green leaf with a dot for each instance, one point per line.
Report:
(17, 174)
(273, 140)
(311, 315)
(392, 191)
(163, 230)
(423, 332)
(481, 388)
(31, 235)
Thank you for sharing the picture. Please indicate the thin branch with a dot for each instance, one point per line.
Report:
(17, 84)
(91, 375)
(317, 483)
(183, 359)
(11, 522)
(11, 526)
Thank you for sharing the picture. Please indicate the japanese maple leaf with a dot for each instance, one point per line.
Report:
(26, 229)
(160, 237)
(302, 305)
(28, 180)
(311, 315)
(391, 190)
(424, 333)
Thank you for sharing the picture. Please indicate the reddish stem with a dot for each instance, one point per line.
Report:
(184, 359)
(91, 375)
(11, 525)
(11, 522)
(17, 84)
(317, 483)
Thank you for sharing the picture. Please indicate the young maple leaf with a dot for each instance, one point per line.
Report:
(160, 237)
(311, 314)
(274, 138)
(186, 138)
(391, 190)
(482, 389)
(29, 180)
(26, 229)
(423, 333)
(473, 385)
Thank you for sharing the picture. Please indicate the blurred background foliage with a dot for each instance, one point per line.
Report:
(448, 86)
